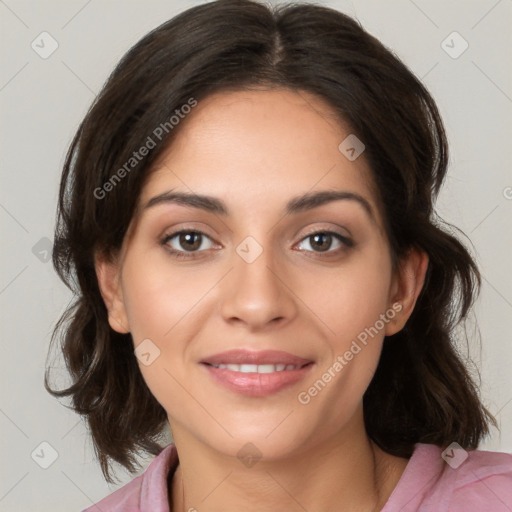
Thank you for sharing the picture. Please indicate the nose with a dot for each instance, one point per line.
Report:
(258, 294)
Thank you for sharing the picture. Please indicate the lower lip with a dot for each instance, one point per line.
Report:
(257, 384)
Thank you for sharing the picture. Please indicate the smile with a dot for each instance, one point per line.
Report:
(257, 368)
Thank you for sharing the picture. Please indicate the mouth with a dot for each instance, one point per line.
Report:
(256, 374)
(257, 368)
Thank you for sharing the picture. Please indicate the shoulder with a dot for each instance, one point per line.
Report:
(454, 480)
(483, 479)
(147, 491)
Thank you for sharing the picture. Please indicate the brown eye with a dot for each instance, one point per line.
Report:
(186, 241)
(322, 241)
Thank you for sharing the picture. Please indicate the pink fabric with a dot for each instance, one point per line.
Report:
(483, 482)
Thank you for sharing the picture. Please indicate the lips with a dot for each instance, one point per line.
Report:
(256, 374)
(264, 357)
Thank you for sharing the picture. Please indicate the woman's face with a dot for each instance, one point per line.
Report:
(261, 266)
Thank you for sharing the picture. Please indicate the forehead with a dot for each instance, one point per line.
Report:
(256, 149)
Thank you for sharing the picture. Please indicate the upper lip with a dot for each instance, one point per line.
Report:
(242, 356)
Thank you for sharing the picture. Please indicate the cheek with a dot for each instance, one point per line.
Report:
(160, 308)
(350, 303)
(166, 306)
(351, 299)
(160, 300)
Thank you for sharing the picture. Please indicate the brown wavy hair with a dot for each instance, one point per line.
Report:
(423, 389)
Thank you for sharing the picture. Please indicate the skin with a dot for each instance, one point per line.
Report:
(255, 150)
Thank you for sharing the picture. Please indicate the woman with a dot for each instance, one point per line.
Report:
(247, 213)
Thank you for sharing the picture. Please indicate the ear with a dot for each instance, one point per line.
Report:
(108, 272)
(406, 286)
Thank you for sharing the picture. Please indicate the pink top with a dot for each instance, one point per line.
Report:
(481, 483)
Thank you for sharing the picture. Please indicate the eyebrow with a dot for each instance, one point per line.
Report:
(297, 204)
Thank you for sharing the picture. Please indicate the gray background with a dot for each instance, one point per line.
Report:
(43, 100)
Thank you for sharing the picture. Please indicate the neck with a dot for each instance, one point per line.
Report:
(346, 472)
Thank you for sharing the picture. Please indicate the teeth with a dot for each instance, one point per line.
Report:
(256, 368)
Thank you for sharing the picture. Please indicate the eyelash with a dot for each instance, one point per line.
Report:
(190, 255)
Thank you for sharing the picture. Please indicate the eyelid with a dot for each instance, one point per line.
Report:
(169, 236)
(328, 230)
(311, 232)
